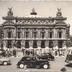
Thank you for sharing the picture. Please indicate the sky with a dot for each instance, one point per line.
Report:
(44, 8)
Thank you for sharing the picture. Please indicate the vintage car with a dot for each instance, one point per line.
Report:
(5, 61)
(69, 56)
(48, 56)
(33, 62)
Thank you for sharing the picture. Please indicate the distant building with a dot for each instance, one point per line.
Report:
(35, 32)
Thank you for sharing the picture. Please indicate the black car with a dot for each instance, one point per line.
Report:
(47, 56)
(33, 62)
(69, 58)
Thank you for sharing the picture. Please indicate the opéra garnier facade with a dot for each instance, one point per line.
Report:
(35, 32)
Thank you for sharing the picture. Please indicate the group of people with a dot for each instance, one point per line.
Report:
(13, 52)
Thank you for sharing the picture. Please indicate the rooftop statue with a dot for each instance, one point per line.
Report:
(59, 13)
(33, 12)
(10, 12)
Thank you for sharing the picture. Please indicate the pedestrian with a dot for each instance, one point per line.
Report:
(56, 53)
(14, 53)
(23, 50)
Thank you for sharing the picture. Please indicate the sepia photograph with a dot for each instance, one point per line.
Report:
(35, 35)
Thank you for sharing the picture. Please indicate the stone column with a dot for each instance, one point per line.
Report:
(39, 50)
(23, 44)
(46, 46)
(22, 33)
(5, 33)
(55, 33)
(46, 33)
(63, 33)
(39, 44)
(30, 33)
(38, 34)
(14, 33)
(4, 45)
(64, 45)
(56, 44)
(13, 43)
(31, 44)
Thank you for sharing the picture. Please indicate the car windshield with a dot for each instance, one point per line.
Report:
(25, 58)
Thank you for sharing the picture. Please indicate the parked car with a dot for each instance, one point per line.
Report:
(4, 61)
(48, 56)
(68, 58)
(33, 62)
(2, 52)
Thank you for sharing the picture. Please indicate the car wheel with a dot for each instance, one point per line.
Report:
(45, 66)
(4, 63)
(21, 66)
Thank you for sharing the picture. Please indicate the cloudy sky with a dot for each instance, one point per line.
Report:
(43, 8)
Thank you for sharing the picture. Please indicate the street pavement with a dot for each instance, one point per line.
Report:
(55, 66)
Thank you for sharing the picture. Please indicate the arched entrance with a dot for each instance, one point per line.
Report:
(34, 44)
(50, 44)
(42, 44)
(18, 44)
(26, 44)
(60, 44)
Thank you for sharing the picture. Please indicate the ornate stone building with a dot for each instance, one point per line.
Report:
(35, 32)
